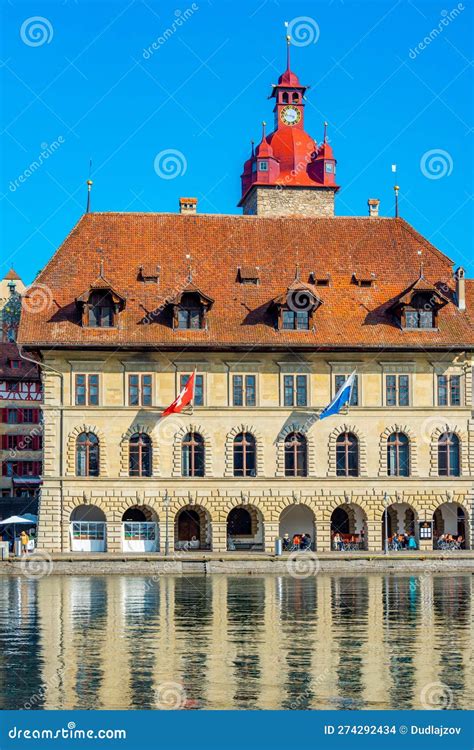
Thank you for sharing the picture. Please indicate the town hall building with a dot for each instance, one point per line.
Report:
(273, 309)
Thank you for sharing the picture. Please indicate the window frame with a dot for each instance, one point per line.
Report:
(396, 389)
(193, 469)
(199, 378)
(296, 450)
(396, 444)
(446, 448)
(87, 388)
(247, 447)
(141, 448)
(356, 390)
(87, 450)
(140, 388)
(244, 389)
(297, 315)
(294, 401)
(448, 377)
(350, 449)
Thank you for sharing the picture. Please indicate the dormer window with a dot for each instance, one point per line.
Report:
(190, 309)
(248, 275)
(363, 278)
(100, 305)
(263, 166)
(189, 313)
(295, 308)
(295, 321)
(418, 307)
(420, 314)
(329, 167)
(101, 310)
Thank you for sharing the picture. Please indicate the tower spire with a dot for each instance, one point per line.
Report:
(325, 132)
(89, 188)
(288, 45)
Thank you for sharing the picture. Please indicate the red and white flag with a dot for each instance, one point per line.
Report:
(185, 397)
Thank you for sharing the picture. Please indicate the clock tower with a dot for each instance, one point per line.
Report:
(289, 173)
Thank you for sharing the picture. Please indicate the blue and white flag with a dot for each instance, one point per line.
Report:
(342, 397)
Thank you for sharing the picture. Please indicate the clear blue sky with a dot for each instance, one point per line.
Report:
(82, 80)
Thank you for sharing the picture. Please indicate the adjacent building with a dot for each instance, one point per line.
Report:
(273, 309)
(20, 411)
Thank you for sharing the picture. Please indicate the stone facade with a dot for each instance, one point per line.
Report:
(295, 201)
(272, 498)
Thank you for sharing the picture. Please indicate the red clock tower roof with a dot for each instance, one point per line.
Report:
(296, 158)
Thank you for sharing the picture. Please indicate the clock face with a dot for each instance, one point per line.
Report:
(290, 115)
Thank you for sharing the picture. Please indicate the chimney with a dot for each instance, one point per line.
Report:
(373, 204)
(460, 288)
(187, 205)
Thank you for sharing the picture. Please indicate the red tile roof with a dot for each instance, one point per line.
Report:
(26, 370)
(12, 275)
(241, 316)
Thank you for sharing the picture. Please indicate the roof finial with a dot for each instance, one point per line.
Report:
(396, 189)
(325, 132)
(297, 271)
(89, 188)
(263, 129)
(288, 43)
(101, 272)
(253, 147)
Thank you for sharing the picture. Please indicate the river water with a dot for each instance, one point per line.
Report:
(253, 642)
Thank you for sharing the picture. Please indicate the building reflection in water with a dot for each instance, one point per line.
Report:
(253, 642)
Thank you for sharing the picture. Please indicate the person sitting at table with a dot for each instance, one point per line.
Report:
(337, 539)
(286, 541)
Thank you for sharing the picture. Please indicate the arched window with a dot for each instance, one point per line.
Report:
(448, 455)
(295, 97)
(140, 455)
(101, 310)
(244, 455)
(347, 455)
(398, 455)
(284, 97)
(192, 456)
(87, 455)
(296, 464)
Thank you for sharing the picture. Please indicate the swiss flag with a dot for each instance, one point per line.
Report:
(184, 398)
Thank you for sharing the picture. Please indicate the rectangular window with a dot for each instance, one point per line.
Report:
(295, 321)
(295, 390)
(449, 390)
(341, 379)
(263, 166)
(244, 390)
(13, 416)
(87, 390)
(198, 388)
(139, 390)
(397, 390)
(189, 317)
(419, 319)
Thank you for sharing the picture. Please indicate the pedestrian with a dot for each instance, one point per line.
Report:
(24, 539)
